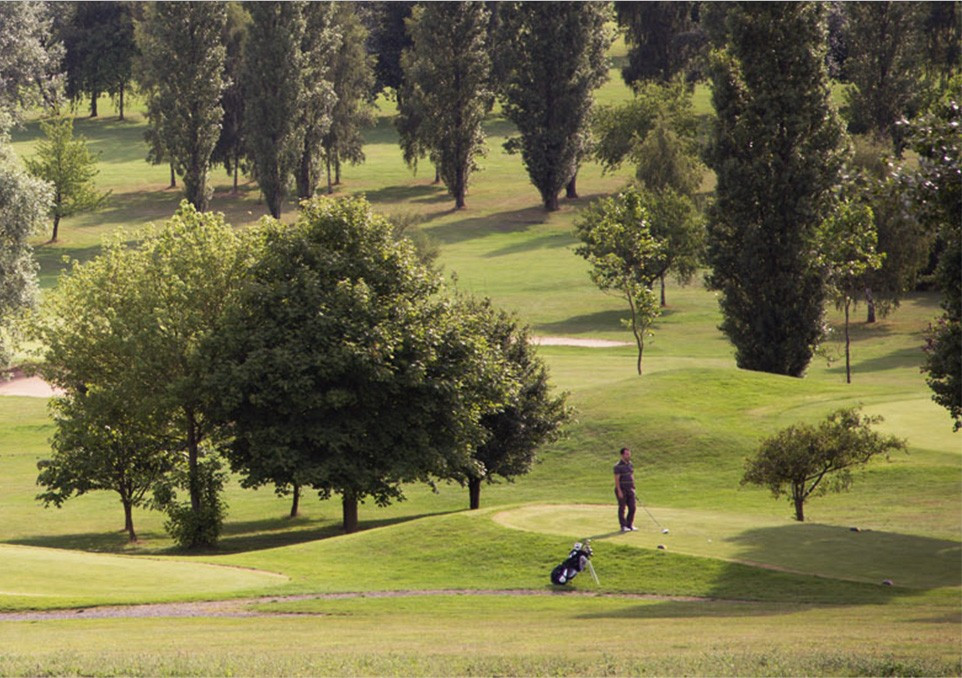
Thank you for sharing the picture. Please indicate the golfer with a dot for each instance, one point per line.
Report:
(625, 491)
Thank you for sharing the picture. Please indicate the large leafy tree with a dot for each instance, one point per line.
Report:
(777, 149)
(352, 75)
(183, 54)
(625, 258)
(553, 57)
(447, 69)
(100, 51)
(532, 417)
(66, 163)
(805, 461)
(341, 368)
(130, 324)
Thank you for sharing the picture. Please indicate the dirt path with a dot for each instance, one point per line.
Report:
(242, 607)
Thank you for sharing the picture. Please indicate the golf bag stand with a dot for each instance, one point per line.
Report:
(578, 559)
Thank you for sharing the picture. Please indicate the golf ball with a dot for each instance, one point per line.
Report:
(665, 531)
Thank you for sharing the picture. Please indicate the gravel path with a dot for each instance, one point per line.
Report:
(242, 607)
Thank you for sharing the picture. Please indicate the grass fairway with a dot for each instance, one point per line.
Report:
(33, 577)
(741, 589)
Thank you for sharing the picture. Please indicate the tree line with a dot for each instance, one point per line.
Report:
(323, 355)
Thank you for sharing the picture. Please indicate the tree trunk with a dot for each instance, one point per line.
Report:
(551, 203)
(93, 103)
(474, 493)
(799, 502)
(571, 188)
(459, 189)
(173, 177)
(437, 174)
(56, 227)
(129, 520)
(330, 185)
(121, 97)
(870, 303)
(639, 336)
(297, 500)
(236, 173)
(664, 299)
(337, 171)
(349, 503)
(848, 361)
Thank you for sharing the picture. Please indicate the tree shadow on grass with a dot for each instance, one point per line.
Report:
(601, 321)
(237, 537)
(421, 193)
(905, 357)
(514, 221)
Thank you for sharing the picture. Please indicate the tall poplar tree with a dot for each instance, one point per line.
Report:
(447, 69)
(554, 57)
(352, 75)
(183, 62)
(286, 95)
(320, 41)
(777, 149)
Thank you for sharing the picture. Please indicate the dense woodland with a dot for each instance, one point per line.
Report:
(813, 204)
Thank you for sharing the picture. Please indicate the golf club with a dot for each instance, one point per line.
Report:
(664, 530)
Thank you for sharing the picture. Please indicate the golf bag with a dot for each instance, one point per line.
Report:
(577, 560)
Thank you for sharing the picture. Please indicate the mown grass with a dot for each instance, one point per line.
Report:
(691, 420)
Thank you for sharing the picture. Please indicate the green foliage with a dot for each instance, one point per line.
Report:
(884, 65)
(625, 257)
(191, 527)
(777, 149)
(447, 71)
(803, 461)
(847, 248)
(341, 369)
(100, 49)
(67, 164)
(24, 201)
(935, 192)
(29, 60)
(656, 131)
(531, 418)
(553, 56)
(664, 40)
(182, 72)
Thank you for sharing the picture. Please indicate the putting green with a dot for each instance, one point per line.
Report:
(811, 548)
(39, 577)
(921, 422)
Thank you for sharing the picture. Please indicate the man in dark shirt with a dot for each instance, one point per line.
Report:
(625, 491)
